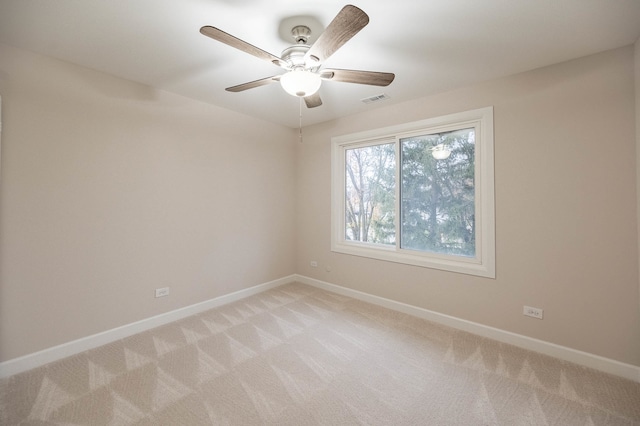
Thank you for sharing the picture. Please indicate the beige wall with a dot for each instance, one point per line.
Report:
(565, 208)
(637, 91)
(111, 189)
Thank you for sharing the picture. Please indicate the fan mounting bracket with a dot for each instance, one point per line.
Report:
(300, 34)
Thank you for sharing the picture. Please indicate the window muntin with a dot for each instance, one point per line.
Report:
(460, 236)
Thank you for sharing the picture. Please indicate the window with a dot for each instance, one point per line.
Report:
(420, 193)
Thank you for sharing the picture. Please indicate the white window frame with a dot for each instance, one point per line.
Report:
(483, 264)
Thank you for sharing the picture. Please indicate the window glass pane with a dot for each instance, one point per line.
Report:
(370, 194)
(437, 195)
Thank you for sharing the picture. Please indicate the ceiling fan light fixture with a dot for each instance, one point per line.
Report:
(303, 61)
(300, 82)
(440, 152)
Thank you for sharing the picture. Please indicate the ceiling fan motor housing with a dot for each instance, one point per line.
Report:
(294, 55)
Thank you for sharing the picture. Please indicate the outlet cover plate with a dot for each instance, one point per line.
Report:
(161, 292)
(533, 312)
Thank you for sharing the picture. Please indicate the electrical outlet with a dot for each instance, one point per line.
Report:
(533, 312)
(314, 264)
(161, 292)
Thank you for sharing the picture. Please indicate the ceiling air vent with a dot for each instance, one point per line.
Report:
(376, 98)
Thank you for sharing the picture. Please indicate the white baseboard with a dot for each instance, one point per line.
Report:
(37, 359)
(586, 359)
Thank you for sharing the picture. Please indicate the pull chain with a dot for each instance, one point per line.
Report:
(300, 121)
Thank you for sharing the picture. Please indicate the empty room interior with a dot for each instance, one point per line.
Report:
(443, 230)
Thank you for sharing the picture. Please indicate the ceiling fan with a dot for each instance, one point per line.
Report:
(303, 62)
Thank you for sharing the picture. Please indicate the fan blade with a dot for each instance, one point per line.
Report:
(347, 23)
(228, 39)
(313, 100)
(252, 84)
(372, 78)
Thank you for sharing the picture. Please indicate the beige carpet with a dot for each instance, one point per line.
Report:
(297, 355)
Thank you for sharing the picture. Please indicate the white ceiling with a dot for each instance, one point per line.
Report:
(431, 46)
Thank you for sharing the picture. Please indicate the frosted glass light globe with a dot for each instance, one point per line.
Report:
(300, 83)
(440, 152)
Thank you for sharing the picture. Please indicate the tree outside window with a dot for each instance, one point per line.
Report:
(438, 195)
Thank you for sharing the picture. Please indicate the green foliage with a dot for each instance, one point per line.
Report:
(437, 196)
